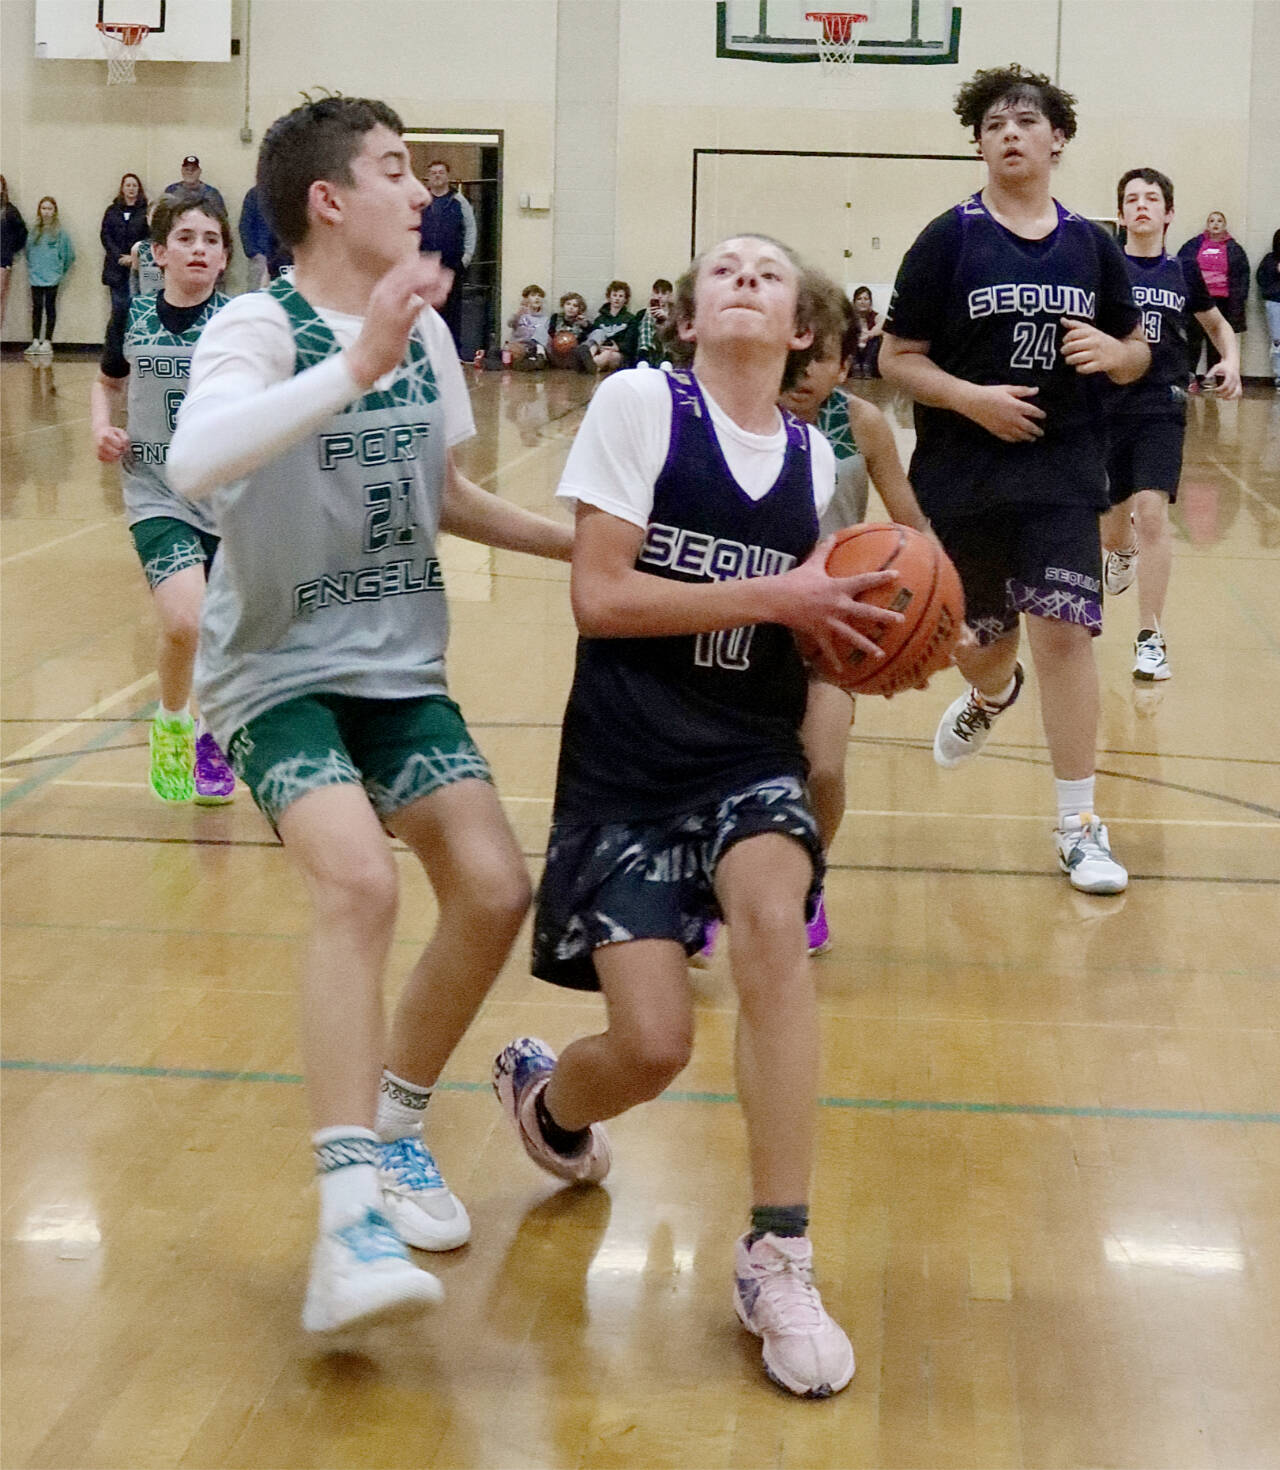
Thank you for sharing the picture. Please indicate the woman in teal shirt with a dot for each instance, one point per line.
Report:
(50, 254)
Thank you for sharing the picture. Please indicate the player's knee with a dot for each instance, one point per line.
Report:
(181, 629)
(766, 937)
(656, 1054)
(1151, 514)
(362, 893)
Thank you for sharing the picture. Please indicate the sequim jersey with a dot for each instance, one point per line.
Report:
(159, 370)
(1164, 297)
(658, 726)
(990, 304)
(327, 577)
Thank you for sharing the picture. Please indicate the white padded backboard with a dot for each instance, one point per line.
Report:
(181, 30)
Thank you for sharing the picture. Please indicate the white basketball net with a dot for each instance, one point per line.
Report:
(838, 36)
(121, 43)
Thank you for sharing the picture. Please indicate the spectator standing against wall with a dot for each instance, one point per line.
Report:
(449, 230)
(50, 255)
(1224, 267)
(1269, 287)
(13, 236)
(262, 250)
(123, 225)
(192, 182)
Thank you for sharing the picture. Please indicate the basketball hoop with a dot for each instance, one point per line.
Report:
(121, 41)
(838, 39)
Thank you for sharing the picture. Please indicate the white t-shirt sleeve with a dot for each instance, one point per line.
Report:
(824, 469)
(621, 447)
(244, 404)
(459, 423)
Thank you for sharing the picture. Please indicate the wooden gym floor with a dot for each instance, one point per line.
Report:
(1049, 1173)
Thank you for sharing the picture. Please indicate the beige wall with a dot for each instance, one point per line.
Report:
(1184, 85)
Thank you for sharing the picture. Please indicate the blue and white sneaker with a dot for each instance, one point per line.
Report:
(520, 1071)
(421, 1206)
(361, 1275)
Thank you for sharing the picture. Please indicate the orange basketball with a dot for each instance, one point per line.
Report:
(927, 594)
(563, 344)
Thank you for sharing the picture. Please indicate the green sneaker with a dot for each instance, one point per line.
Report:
(173, 755)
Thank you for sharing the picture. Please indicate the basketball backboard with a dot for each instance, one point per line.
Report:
(898, 32)
(179, 30)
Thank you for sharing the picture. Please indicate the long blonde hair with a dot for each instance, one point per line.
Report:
(54, 224)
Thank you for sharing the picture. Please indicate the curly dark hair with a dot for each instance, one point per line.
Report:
(985, 89)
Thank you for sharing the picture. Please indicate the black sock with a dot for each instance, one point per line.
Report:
(567, 1141)
(778, 1220)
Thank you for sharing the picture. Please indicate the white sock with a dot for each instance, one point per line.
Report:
(401, 1106)
(1005, 694)
(174, 716)
(1074, 797)
(346, 1174)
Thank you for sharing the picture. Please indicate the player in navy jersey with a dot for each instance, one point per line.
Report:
(680, 790)
(1147, 420)
(1007, 312)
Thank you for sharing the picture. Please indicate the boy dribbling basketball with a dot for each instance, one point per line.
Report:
(680, 790)
(324, 411)
(175, 537)
(1004, 309)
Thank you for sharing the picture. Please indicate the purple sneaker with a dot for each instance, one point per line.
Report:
(817, 930)
(704, 956)
(215, 780)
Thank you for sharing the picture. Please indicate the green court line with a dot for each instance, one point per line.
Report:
(860, 1104)
(64, 762)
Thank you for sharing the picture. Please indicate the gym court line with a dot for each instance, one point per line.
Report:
(853, 1104)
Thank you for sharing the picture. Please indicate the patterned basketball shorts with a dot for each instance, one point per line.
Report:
(398, 749)
(620, 881)
(166, 545)
(1043, 560)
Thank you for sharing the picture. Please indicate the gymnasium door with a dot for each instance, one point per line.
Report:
(475, 166)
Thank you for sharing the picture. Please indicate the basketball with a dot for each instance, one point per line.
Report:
(927, 594)
(562, 348)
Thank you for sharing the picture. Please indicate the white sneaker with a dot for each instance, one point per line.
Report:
(1084, 855)
(520, 1072)
(963, 730)
(1150, 660)
(805, 1351)
(424, 1210)
(362, 1275)
(1119, 570)
(33, 350)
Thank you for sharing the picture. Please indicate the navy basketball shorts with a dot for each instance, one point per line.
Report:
(620, 881)
(1144, 454)
(1042, 560)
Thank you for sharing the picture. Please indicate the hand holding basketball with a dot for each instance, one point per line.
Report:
(926, 593)
(394, 304)
(828, 613)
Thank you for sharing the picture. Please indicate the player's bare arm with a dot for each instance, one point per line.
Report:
(1088, 349)
(1003, 409)
(1227, 372)
(611, 599)
(875, 438)
(476, 515)
(106, 399)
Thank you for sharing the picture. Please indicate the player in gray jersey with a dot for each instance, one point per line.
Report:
(175, 537)
(322, 418)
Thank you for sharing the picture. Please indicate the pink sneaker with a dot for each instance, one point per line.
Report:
(520, 1071)
(215, 780)
(774, 1295)
(817, 930)
(710, 933)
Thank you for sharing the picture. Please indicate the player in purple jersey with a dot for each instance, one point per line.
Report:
(1007, 311)
(1147, 421)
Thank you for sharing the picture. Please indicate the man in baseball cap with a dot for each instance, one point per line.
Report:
(192, 183)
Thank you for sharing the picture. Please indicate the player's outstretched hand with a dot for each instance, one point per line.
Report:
(1088, 349)
(1228, 380)
(825, 613)
(1006, 410)
(110, 444)
(394, 304)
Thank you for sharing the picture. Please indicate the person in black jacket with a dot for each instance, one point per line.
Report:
(1269, 286)
(123, 225)
(13, 236)
(1224, 268)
